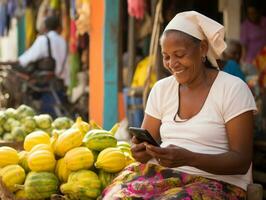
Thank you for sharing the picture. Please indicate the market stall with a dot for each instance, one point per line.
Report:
(59, 159)
(27, 19)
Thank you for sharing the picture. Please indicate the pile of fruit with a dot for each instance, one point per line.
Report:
(77, 162)
(16, 124)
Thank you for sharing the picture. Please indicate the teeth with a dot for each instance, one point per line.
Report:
(178, 72)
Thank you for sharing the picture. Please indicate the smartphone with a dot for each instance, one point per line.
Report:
(143, 135)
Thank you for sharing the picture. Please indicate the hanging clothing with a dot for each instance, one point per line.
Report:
(65, 20)
(73, 10)
(83, 21)
(54, 4)
(42, 13)
(260, 63)
(73, 40)
(11, 7)
(3, 18)
(136, 8)
(30, 26)
(141, 73)
(20, 8)
(74, 59)
(74, 62)
(253, 37)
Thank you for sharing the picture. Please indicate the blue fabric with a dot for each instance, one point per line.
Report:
(73, 12)
(47, 105)
(3, 18)
(134, 115)
(11, 7)
(233, 68)
(48, 102)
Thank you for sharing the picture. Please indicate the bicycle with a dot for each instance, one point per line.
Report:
(20, 87)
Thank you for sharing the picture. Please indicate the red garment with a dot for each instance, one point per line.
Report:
(136, 8)
(73, 40)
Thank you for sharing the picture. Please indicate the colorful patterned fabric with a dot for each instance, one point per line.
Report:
(260, 63)
(150, 181)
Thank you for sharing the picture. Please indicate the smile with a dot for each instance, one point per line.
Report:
(179, 72)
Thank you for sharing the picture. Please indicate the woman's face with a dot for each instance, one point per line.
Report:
(181, 56)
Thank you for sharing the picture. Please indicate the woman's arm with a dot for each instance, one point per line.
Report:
(239, 157)
(153, 126)
(236, 161)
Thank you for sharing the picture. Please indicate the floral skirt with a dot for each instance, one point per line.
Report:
(150, 181)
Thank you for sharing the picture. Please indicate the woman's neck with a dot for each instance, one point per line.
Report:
(204, 79)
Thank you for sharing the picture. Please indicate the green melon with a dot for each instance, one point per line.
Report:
(99, 140)
(41, 185)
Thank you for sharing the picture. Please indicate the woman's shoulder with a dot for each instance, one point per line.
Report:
(225, 77)
(229, 79)
(164, 82)
(229, 82)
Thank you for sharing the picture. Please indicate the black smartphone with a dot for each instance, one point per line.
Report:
(143, 135)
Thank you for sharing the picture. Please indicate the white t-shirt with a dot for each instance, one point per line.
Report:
(205, 132)
(39, 49)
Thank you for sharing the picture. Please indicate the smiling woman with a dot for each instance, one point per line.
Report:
(202, 117)
(181, 55)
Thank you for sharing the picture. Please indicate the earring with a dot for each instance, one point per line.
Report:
(203, 59)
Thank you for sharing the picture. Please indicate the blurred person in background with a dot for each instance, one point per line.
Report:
(39, 49)
(29, 63)
(253, 33)
(253, 38)
(232, 56)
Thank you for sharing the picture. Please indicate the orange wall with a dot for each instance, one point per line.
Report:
(121, 107)
(96, 82)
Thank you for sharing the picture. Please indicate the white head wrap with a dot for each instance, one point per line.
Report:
(201, 27)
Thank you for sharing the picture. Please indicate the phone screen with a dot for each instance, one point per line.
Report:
(143, 135)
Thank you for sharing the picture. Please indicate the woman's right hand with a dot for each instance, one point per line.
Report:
(138, 150)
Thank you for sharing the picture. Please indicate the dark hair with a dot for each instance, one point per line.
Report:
(196, 41)
(52, 22)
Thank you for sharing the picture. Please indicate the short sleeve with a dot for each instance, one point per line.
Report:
(154, 100)
(237, 100)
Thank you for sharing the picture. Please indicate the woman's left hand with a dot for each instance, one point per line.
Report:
(170, 156)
